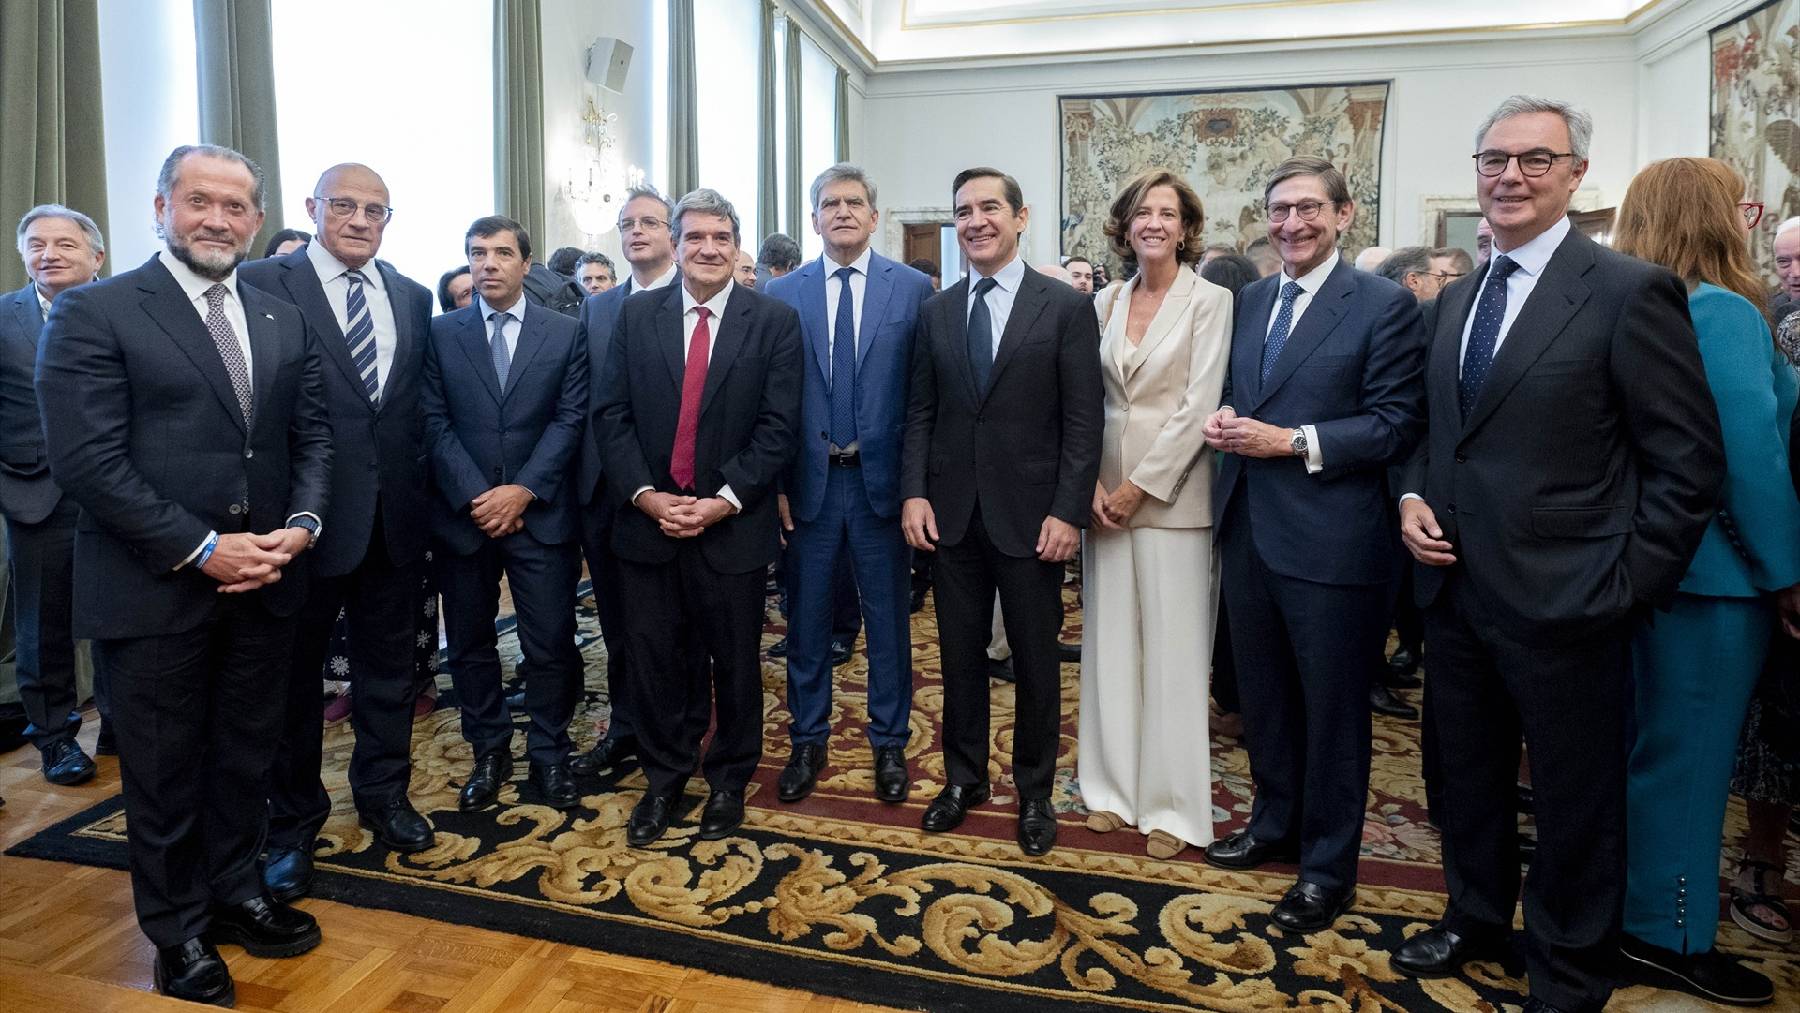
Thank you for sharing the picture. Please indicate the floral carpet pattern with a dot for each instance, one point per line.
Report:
(841, 894)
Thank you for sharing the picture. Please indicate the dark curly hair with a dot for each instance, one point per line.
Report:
(1124, 206)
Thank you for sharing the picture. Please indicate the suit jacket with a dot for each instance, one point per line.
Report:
(892, 295)
(27, 493)
(599, 315)
(1158, 395)
(748, 411)
(481, 436)
(1351, 369)
(1027, 449)
(379, 447)
(144, 432)
(1582, 480)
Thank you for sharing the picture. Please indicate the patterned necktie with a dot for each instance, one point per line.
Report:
(360, 334)
(229, 349)
(843, 365)
(1278, 331)
(981, 335)
(497, 345)
(693, 384)
(1484, 333)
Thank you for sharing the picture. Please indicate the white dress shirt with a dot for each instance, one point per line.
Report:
(1532, 258)
(662, 281)
(512, 319)
(332, 277)
(195, 287)
(1000, 297)
(43, 303)
(689, 321)
(859, 283)
(1310, 283)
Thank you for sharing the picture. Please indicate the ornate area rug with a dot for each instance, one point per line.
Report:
(845, 896)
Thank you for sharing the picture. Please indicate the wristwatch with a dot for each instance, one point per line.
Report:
(309, 525)
(1298, 443)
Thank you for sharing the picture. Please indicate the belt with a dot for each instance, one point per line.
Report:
(844, 458)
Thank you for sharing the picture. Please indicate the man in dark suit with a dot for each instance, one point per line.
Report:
(183, 414)
(1572, 461)
(62, 248)
(1324, 394)
(858, 311)
(371, 326)
(702, 396)
(1002, 450)
(505, 392)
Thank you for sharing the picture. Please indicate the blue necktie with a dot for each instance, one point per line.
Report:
(1278, 331)
(1484, 333)
(981, 335)
(497, 345)
(360, 334)
(843, 364)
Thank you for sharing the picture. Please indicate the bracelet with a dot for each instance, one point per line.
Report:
(206, 549)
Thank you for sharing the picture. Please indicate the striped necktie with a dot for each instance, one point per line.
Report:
(360, 334)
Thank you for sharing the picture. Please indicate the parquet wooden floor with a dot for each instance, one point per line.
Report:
(69, 942)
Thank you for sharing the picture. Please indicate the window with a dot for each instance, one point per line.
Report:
(726, 69)
(818, 130)
(150, 100)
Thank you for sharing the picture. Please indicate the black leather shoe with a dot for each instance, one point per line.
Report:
(606, 753)
(1309, 907)
(66, 764)
(398, 826)
(1000, 669)
(892, 780)
(482, 789)
(106, 743)
(801, 773)
(1037, 826)
(264, 928)
(916, 603)
(1068, 654)
(1708, 975)
(1242, 851)
(778, 649)
(723, 814)
(1383, 701)
(1536, 1005)
(553, 786)
(649, 819)
(1438, 952)
(194, 972)
(515, 702)
(946, 812)
(288, 873)
(841, 650)
(1401, 666)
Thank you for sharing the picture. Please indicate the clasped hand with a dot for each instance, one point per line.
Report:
(1113, 510)
(1230, 433)
(244, 561)
(501, 510)
(683, 516)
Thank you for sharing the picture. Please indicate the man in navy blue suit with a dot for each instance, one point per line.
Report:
(505, 394)
(1325, 392)
(858, 311)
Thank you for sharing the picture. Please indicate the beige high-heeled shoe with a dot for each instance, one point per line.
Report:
(1102, 822)
(1162, 844)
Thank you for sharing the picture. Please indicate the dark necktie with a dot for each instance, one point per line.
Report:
(1484, 333)
(229, 350)
(360, 334)
(497, 346)
(1278, 331)
(843, 364)
(693, 384)
(981, 335)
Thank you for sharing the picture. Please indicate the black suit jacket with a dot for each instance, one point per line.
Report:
(378, 448)
(27, 493)
(1590, 465)
(748, 413)
(599, 315)
(145, 433)
(1029, 448)
(481, 436)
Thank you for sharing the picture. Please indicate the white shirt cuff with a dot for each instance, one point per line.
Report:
(728, 496)
(640, 492)
(1411, 495)
(1315, 460)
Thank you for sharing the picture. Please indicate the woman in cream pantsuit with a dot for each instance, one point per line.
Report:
(1166, 334)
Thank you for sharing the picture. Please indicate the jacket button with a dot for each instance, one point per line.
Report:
(1460, 459)
(1450, 508)
(234, 509)
(248, 454)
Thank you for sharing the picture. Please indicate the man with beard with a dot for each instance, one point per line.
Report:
(183, 413)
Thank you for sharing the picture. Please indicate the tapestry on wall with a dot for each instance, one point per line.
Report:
(1224, 143)
(1756, 111)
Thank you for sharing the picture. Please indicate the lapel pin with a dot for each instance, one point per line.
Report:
(269, 316)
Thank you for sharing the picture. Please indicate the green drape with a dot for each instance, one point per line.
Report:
(684, 101)
(55, 151)
(235, 50)
(843, 115)
(796, 205)
(768, 187)
(519, 116)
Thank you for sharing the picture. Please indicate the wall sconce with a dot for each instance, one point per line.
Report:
(596, 189)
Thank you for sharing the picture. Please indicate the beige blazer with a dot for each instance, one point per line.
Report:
(1159, 393)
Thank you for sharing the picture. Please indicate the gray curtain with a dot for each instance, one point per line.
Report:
(684, 88)
(843, 115)
(519, 115)
(50, 88)
(768, 188)
(796, 211)
(236, 60)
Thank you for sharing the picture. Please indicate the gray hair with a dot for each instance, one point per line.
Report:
(1787, 226)
(645, 190)
(96, 241)
(704, 201)
(1404, 261)
(171, 167)
(1580, 124)
(838, 173)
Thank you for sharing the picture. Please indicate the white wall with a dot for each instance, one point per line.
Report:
(149, 99)
(1674, 102)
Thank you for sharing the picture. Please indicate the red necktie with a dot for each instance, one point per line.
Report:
(693, 382)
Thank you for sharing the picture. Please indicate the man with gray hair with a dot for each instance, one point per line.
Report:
(1420, 270)
(62, 248)
(1571, 463)
(1787, 268)
(778, 255)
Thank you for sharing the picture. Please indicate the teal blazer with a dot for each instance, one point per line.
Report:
(1755, 390)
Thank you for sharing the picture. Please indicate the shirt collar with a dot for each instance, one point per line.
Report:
(43, 303)
(1535, 255)
(192, 284)
(1007, 278)
(860, 265)
(662, 281)
(331, 269)
(1314, 279)
(516, 310)
(716, 303)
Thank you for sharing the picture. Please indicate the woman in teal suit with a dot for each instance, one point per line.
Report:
(1696, 665)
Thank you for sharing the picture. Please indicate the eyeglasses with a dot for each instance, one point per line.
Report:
(1306, 209)
(1446, 276)
(344, 207)
(646, 223)
(1752, 210)
(1531, 163)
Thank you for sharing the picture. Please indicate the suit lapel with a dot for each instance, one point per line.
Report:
(531, 339)
(168, 307)
(473, 337)
(399, 299)
(672, 336)
(878, 288)
(1445, 353)
(27, 316)
(812, 316)
(1161, 325)
(265, 347)
(1027, 305)
(1319, 320)
(1558, 294)
(958, 308)
(727, 341)
(1248, 330)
